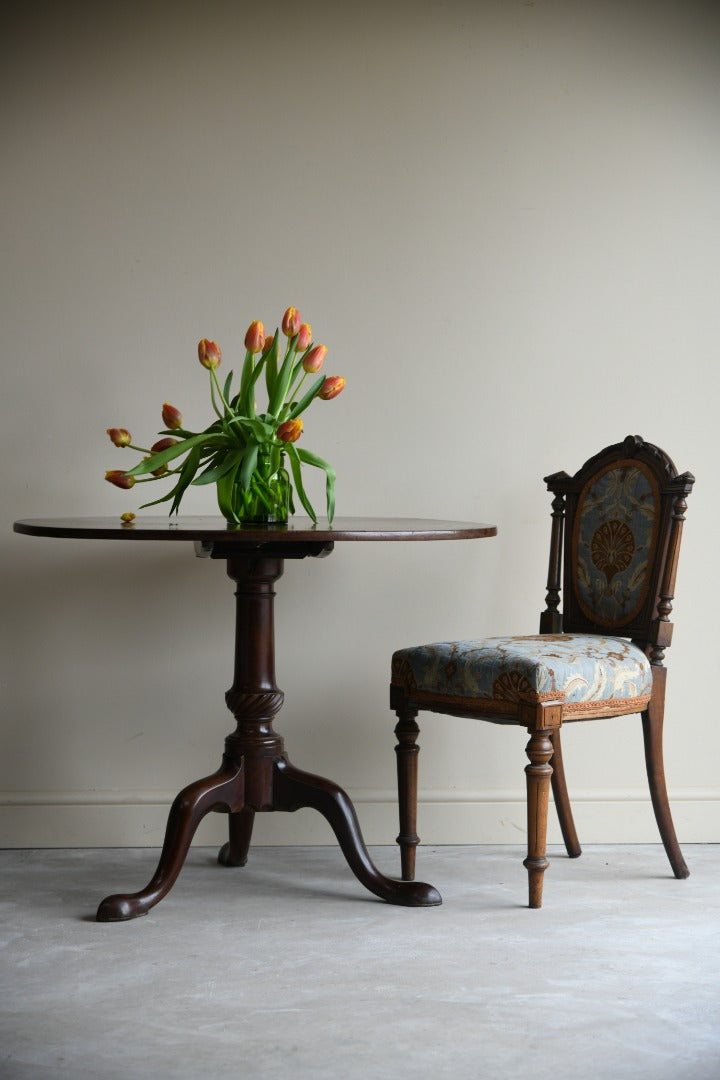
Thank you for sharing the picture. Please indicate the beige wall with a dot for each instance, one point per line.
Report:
(502, 219)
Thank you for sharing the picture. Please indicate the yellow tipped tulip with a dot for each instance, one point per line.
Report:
(315, 359)
(332, 387)
(290, 431)
(304, 337)
(119, 436)
(291, 322)
(119, 479)
(172, 417)
(255, 337)
(209, 353)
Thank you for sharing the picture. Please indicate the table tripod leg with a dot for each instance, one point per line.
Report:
(224, 789)
(235, 852)
(294, 789)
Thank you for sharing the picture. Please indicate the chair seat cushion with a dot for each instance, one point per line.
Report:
(588, 673)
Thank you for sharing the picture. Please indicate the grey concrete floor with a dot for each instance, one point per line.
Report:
(288, 968)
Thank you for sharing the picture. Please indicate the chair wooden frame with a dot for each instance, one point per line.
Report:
(649, 628)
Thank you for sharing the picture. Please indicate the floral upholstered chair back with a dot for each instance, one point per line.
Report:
(621, 516)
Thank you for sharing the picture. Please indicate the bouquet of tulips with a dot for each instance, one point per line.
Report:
(227, 452)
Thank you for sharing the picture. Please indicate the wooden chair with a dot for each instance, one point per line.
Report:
(616, 530)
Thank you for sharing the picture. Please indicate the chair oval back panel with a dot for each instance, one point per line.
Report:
(624, 511)
(614, 543)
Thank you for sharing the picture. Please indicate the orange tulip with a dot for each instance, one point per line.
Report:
(291, 322)
(332, 387)
(290, 431)
(119, 436)
(304, 337)
(209, 353)
(119, 479)
(268, 344)
(172, 417)
(315, 359)
(255, 337)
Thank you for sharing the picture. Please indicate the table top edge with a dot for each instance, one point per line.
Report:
(216, 531)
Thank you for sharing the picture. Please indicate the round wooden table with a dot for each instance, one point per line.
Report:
(255, 774)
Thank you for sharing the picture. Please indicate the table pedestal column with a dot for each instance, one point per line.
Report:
(255, 774)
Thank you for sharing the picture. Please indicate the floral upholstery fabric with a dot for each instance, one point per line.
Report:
(614, 540)
(583, 671)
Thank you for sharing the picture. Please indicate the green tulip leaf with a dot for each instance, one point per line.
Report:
(284, 379)
(260, 431)
(271, 364)
(257, 372)
(330, 476)
(225, 492)
(178, 433)
(162, 499)
(218, 468)
(246, 402)
(247, 466)
(226, 387)
(295, 465)
(190, 467)
(149, 465)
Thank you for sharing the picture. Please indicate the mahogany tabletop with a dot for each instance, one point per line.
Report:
(216, 530)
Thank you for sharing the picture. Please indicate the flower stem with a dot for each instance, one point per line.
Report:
(150, 479)
(213, 384)
(293, 394)
(298, 388)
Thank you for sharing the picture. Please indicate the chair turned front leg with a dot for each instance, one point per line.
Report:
(539, 773)
(407, 752)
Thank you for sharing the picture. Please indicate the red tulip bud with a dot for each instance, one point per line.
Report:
(332, 387)
(209, 353)
(255, 337)
(304, 337)
(119, 436)
(268, 344)
(119, 479)
(315, 358)
(172, 417)
(161, 444)
(290, 431)
(291, 322)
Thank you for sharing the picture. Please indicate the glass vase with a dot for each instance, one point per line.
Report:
(267, 498)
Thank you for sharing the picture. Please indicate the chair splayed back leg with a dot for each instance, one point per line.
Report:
(615, 540)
